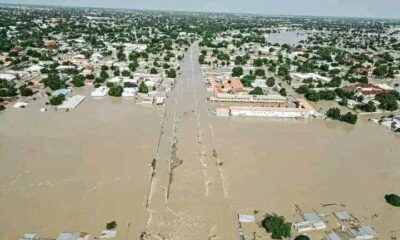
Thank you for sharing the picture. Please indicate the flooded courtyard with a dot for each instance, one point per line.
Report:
(76, 171)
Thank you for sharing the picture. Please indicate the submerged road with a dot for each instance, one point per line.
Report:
(187, 196)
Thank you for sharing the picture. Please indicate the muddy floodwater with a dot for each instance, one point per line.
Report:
(78, 170)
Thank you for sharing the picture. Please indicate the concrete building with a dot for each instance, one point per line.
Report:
(73, 236)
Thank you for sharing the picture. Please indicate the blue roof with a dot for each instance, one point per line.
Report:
(63, 91)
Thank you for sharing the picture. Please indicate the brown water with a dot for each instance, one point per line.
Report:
(76, 171)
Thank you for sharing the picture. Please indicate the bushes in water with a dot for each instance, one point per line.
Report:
(334, 113)
(393, 199)
(302, 237)
(111, 225)
(57, 100)
(277, 226)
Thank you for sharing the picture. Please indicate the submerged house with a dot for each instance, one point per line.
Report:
(311, 222)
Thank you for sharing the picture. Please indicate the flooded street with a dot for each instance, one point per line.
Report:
(187, 198)
(76, 171)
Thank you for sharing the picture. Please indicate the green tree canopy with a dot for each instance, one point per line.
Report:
(277, 226)
(393, 199)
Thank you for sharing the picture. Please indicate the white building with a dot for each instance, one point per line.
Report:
(100, 92)
(303, 76)
(7, 76)
(270, 112)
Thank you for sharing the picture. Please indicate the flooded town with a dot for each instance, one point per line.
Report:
(130, 124)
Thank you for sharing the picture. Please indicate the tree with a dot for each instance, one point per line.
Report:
(349, 118)
(388, 101)
(25, 91)
(121, 56)
(239, 60)
(277, 226)
(302, 237)
(335, 82)
(303, 89)
(126, 73)
(111, 225)
(237, 71)
(270, 82)
(170, 73)
(247, 80)
(282, 92)
(283, 70)
(258, 62)
(260, 72)
(153, 71)
(202, 59)
(143, 88)
(312, 96)
(57, 100)
(257, 91)
(327, 95)
(78, 81)
(393, 199)
(333, 113)
(53, 82)
(115, 91)
(104, 75)
(368, 107)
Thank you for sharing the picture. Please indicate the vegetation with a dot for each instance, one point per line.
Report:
(334, 113)
(78, 81)
(270, 82)
(115, 91)
(388, 101)
(257, 91)
(7, 88)
(57, 100)
(277, 226)
(143, 88)
(170, 73)
(302, 237)
(393, 199)
(25, 91)
(111, 225)
(237, 71)
(53, 82)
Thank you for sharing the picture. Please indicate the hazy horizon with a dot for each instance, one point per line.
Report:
(341, 8)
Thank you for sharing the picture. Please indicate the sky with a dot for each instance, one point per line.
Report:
(349, 8)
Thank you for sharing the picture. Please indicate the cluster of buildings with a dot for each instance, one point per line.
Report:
(105, 235)
(122, 59)
(337, 225)
(233, 99)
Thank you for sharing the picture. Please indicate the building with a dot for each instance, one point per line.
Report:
(366, 89)
(52, 45)
(72, 102)
(7, 76)
(29, 236)
(272, 100)
(100, 92)
(303, 76)
(311, 222)
(73, 236)
(269, 112)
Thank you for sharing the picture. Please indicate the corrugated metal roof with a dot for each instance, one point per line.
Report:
(344, 216)
(312, 217)
(333, 236)
(68, 236)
